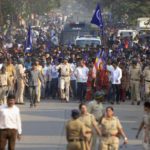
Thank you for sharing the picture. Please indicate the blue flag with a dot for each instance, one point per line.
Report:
(29, 40)
(97, 18)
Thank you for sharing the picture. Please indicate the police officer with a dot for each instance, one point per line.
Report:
(10, 69)
(65, 72)
(90, 125)
(111, 128)
(75, 132)
(20, 77)
(145, 124)
(95, 107)
(135, 77)
(39, 68)
(4, 83)
(146, 76)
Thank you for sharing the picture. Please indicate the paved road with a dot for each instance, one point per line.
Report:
(43, 127)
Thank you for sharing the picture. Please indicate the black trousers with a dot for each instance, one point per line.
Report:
(116, 92)
(81, 90)
(8, 135)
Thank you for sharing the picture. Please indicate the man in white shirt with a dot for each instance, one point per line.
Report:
(81, 74)
(115, 77)
(10, 124)
(73, 80)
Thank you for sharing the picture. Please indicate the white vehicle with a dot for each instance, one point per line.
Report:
(143, 25)
(127, 33)
(87, 40)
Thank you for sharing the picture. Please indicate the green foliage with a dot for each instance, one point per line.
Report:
(14, 8)
(132, 8)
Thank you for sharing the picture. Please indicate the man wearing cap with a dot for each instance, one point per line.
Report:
(10, 124)
(65, 72)
(75, 132)
(135, 77)
(95, 107)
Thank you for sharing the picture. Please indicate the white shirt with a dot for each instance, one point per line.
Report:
(73, 67)
(110, 68)
(82, 74)
(116, 75)
(10, 118)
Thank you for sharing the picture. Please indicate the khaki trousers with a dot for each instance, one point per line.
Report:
(20, 91)
(135, 90)
(3, 90)
(39, 92)
(110, 143)
(64, 87)
(75, 146)
(147, 90)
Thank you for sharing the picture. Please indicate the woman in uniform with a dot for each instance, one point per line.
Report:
(90, 122)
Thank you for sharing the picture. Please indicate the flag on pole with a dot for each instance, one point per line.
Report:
(29, 40)
(98, 60)
(97, 18)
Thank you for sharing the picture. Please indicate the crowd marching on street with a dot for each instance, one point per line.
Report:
(115, 72)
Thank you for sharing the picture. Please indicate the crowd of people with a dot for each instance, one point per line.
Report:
(120, 68)
(123, 68)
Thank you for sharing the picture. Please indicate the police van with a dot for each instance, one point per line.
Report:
(83, 41)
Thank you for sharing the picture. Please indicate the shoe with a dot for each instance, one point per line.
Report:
(118, 103)
(31, 105)
(35, 105)
(132, 103)
(138, 103)
(112, 103)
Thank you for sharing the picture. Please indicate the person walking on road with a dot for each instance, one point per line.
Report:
(75, 132)
(95, 107)
(146, 76)
(90, 124)
(4, 84)
(65, 72)
(10, 124)
(145, 124)
(81, 74)
(33, 81)
(135, 78)
(20, 78)
(111, 130)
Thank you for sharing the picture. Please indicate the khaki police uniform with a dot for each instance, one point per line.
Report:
(10, 69)
(135, 77)
(146, 75)
(39, 68)
(110, 128)
(20, 75)
(65, 71)
(88, 121)
(4, 83)
(146, 120)
(96, 109)
(75, 131)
